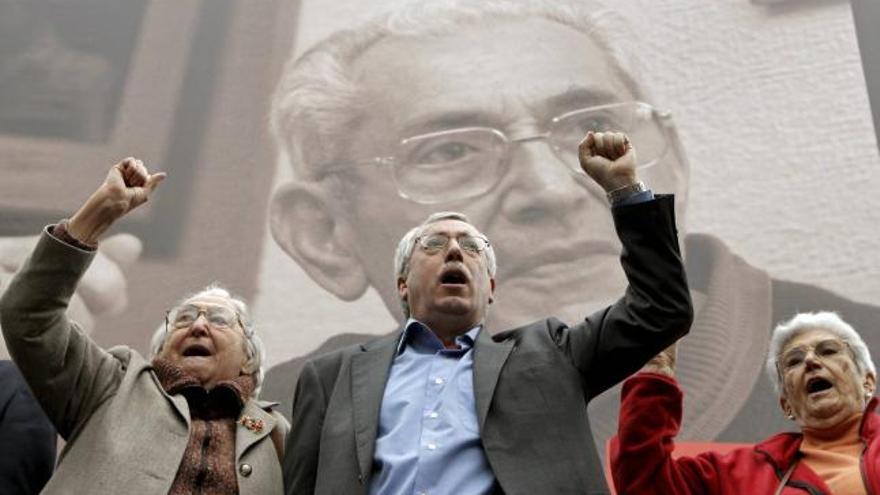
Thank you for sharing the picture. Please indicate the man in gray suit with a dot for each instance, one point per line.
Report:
(445, 407)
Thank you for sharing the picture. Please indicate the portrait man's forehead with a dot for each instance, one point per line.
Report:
(323, 91)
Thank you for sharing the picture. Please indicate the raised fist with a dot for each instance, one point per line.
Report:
(663, 363)
(609, 159)
(128, 185)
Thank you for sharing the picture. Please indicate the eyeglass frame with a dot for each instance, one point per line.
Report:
(204, 311)
(664, 119)
(486, 246)
(781, 369)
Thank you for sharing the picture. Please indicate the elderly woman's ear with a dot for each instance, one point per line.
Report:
(786, 407)
(249, 365)
(870, 385)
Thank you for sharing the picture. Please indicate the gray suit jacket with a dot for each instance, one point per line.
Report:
(531, 384)
(124, 433)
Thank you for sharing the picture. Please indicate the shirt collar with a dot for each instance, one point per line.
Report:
(414, 329)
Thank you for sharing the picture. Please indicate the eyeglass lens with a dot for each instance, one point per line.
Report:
(461, 163)
(436, 242)
(217, 316)
(823, 350)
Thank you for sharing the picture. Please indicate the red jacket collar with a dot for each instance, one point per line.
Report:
(782, 448)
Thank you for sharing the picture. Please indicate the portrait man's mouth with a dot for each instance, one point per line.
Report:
(577, 254)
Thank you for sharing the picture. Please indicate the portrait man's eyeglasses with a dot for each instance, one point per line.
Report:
(435, 243)
(460, 163)
(218, 317)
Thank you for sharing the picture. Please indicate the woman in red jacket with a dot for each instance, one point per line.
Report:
(825, 378)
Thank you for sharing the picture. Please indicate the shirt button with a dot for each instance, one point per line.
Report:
(438, 381)
(432, 446)
(245, 470)
(433, 415)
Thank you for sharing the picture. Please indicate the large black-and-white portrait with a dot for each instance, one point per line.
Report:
(754, 116)
(303, 139)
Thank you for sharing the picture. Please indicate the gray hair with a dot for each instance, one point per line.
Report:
(253, 344)
(408, 243)
(317, 99)
(825, 320)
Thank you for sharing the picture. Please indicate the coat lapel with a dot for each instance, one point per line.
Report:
(253, 424)
(177, 400)
(369, 372)
(489, 358)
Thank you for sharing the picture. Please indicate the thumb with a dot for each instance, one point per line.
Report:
(153, 182)
(122, 249)
(596, 166)
(629, 157)
(140, 195)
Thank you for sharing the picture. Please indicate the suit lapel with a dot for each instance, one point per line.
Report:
(489, 358)
(369, 372)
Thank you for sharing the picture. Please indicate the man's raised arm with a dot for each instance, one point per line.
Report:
(656, 308)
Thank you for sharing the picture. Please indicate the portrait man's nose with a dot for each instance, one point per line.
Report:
(542, 186)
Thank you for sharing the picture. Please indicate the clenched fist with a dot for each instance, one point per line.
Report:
(663, 363)
(127, 186)
(609, 159)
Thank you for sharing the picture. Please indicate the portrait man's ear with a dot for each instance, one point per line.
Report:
(306, 229)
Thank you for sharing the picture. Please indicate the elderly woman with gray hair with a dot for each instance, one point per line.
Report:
(825, 379)
(185, 421)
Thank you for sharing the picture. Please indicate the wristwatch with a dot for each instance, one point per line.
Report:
(621, 193)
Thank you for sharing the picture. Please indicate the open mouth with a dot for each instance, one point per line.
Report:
(197, 350)
(453, 276)
(818, 384)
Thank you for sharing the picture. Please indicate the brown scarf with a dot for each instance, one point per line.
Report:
(208, 464)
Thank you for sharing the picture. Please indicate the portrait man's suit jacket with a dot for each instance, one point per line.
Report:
(531, 384)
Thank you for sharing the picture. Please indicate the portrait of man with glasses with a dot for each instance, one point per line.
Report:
(426, 108)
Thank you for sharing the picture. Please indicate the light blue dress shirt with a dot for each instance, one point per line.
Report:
(428, 440)
(639, 197)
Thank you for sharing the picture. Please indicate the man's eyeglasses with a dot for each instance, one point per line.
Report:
(218, 317)
(461, 163)
(435, 243)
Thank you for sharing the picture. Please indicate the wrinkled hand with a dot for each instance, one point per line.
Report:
(663, 363)
(127, 186)
(609, 159)
(102, 290)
